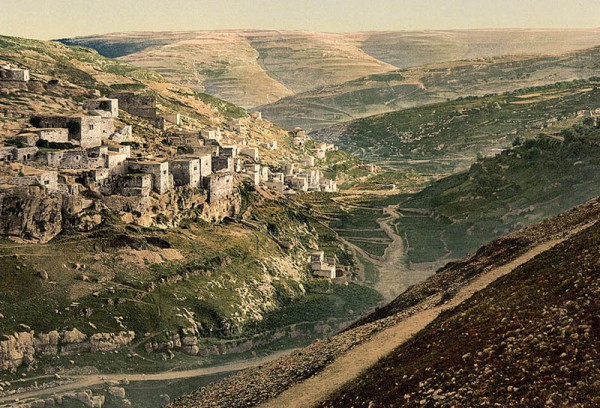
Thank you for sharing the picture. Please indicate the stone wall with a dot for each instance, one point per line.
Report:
(70, 159)
(57, 135)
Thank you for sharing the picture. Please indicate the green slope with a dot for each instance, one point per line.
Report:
(444, 137)
(497, 195)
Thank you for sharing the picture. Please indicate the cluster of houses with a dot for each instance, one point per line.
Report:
(71, 154)
(288, 178)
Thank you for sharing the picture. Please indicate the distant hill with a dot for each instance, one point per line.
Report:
(413, 87)
(252, 68)
(447, 136)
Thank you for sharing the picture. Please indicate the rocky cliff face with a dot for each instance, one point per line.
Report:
(21, 348)
(30, 213)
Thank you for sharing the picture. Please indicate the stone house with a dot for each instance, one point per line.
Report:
(236, 125)
(184, 139)
(253, 171)
(8, 73)
(322, 266)
(85, 131)
(289, 169)
(135, 185)
(97, 177)
(162, 180)
(211, 134)
(186, 172)
(116, 162)
(256, 115)
(124, 149)
(32, 176)
(209, 150)
(205, 165)
(265, 173)
(229, 151)
(103, 107)
(7, 153)
(72, 159)
(219, 186)
(299, 183)
(25, 154)
(309, 161)
(222, 163)
(275, 186)
(174, 118)
(278, 177)
(327, 185)
(137, 104)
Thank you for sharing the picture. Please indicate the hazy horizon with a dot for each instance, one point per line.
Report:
(72, 18)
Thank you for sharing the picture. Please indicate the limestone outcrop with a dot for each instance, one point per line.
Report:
(30, 213)
(21, 348)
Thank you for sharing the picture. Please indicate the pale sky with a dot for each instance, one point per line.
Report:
(50, 19)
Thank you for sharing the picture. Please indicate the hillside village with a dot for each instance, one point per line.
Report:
(91, 161)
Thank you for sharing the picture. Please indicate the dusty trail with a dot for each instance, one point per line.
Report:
(393, 276)
(86, 381)
(347, 367)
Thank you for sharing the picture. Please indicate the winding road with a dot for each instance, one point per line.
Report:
(79, 382)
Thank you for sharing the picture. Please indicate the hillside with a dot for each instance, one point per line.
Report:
(418, 86)
(154, 281)
(497, 195)
(252, 68)
(527, 274)
(481, 353)
(445, 137)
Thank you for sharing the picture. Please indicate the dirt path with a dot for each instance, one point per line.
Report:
(393, 276)
(347, 367)
(85, 381)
